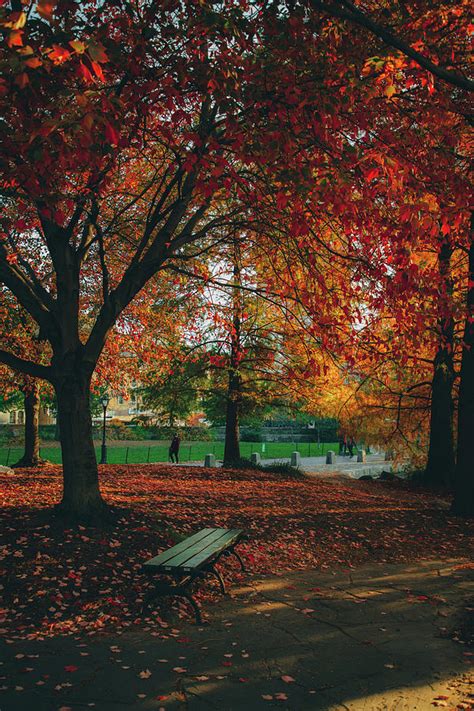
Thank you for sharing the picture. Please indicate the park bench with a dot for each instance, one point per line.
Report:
(190, 560)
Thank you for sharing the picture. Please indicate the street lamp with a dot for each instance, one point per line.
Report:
(105, 401)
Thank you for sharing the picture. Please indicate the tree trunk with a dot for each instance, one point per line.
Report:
(31, 456)
(57, 433)
(440, 465)
(234, 391)
(81, 496)
(232, 431)
(463, 503)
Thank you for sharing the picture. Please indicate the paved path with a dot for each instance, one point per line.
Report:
(374, 465)
(346, 466)
(379, 639)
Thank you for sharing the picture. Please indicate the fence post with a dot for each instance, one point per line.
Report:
(8, 457)
(126, 455)
(309, 449)
(189, 454)
(148, 456)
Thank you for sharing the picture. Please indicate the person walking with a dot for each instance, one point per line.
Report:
(341, 443)
(344, 445)
(173, 454)
(350, 445)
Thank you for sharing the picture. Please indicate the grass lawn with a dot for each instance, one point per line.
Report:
(155, 451)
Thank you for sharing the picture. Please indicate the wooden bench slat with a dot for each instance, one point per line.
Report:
(160, 559)
(180, 560)
(212, 549)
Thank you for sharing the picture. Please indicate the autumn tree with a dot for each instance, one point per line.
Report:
(153, 110)
(19, 333)
(125, 128)
(94, 96)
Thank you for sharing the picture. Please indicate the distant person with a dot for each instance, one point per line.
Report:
(350, 445)
(344, 445)
(173, 453)
(341, 443)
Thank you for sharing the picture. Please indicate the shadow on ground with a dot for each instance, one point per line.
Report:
(382, 637)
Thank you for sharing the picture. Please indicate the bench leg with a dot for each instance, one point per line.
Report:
(233, 552)
(150, 595)
(178, 590)
(194, 605)
(213, 571)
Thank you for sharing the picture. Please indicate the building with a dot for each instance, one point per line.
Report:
(17, 417)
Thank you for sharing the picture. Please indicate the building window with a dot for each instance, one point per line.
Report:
(21, 417)
(12, 417)
(120, 399)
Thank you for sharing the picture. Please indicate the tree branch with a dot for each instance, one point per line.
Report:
(346, 10)
(28, 295)
(26, 366)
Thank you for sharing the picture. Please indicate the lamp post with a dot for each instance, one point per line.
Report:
(105, 401)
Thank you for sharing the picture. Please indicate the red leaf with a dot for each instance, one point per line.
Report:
(84, 73)
(111, 134)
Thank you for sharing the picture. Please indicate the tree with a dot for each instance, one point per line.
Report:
(464, 480)
(441, 461)
(19, 334)
(128, 127)
(174, 395)
(410, 39)
(65, 160)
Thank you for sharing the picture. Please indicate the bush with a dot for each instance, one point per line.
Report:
(251, 435)
(7, 435)
(192, 434)
(281, 468)
(47, 433)
(116, 429)
(138, 432)
(242, 463)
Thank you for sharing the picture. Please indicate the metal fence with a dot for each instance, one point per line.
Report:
(189, 452)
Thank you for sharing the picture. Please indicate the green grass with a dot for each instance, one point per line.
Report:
(190, 451)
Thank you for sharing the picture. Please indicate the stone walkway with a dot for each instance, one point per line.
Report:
(375, 464)
(379, 638)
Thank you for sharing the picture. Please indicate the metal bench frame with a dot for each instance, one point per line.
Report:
(182, 580)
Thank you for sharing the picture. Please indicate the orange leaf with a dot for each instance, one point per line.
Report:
(84, 72)
(59, 54)
(46, 8)
(88, 121)
(17, 20)
(15, 39)
(22, 80)
(98, 71)
(33, 63)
